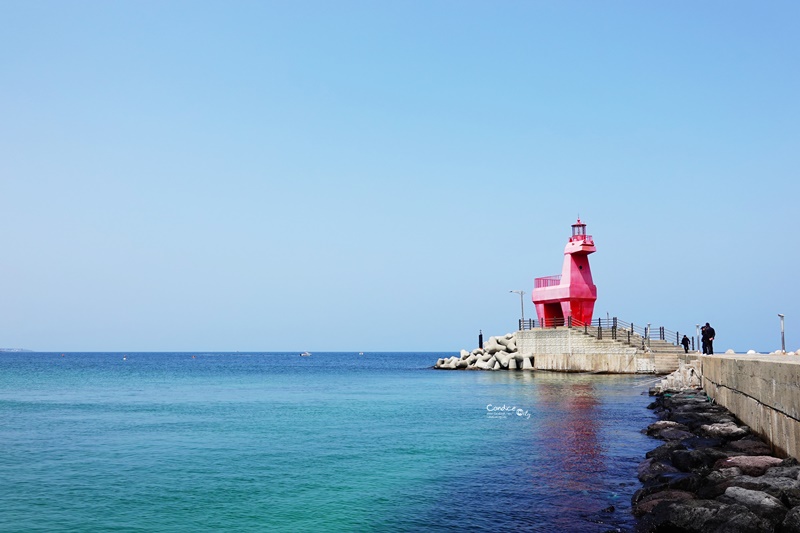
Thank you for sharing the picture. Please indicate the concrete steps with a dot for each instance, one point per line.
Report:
(658, 357)
(666, 363)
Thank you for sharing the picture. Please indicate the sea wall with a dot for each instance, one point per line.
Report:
(570, 350)
(763, 391)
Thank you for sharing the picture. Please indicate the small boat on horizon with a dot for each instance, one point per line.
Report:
(305, 354)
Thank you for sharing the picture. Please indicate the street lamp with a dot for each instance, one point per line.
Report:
(697, 335)
(783, 340)
(521, 306)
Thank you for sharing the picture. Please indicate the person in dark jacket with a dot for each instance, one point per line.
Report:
(708, 339)
(685, 342)
(703, 342)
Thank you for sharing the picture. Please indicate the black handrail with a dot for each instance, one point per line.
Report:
(616, 329)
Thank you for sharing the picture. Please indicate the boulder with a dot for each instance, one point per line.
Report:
(664, 452)
(791, 472)
(704, 515)
(760, 503)
(728, 430)
(526, 363)
(512, 363)
(674, 434)
(647, 503)
(650, 469)
(656, 427)
(464, 354)
(723, 474)
(750, 465)
(751, 445)
(497, 365)
(690, 460)
(791, 523)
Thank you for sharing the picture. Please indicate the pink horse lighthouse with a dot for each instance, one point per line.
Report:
(571, 294)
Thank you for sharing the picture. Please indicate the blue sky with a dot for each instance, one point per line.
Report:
(378, 175)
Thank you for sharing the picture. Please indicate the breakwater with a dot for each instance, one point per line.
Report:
(712, 473)
(499, 353)
(762, 390)
(568, 349)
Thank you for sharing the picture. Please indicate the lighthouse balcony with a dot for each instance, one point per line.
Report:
(547, 281)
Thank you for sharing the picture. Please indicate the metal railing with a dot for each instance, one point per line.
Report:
(547, 281)
(611, 328)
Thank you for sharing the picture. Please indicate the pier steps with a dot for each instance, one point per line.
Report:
(579, 350)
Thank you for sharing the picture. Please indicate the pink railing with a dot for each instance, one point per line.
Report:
(547, 281)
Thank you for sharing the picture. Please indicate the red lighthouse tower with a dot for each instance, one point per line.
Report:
(571, 294)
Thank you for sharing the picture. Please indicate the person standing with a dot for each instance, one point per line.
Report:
(703, 339)
(685, 342)
(708, 338)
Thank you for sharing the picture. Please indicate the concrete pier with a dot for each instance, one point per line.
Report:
(571, 349)
(763, 391)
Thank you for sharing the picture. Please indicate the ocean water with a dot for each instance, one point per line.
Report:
(331, 442)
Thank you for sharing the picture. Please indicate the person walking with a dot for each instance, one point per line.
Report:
(708, 338)
(685, 342)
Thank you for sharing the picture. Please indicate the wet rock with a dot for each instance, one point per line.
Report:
(649, 470)
(649, 502)
(664, 452)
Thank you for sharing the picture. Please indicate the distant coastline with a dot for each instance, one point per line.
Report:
(14, 350)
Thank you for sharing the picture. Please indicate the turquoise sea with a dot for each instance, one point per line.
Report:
(332, 442)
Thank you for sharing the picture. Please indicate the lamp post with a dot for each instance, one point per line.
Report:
(697, 334)
(522, 307)
(783, 340)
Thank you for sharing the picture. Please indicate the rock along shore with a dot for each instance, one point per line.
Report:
(711, 474)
